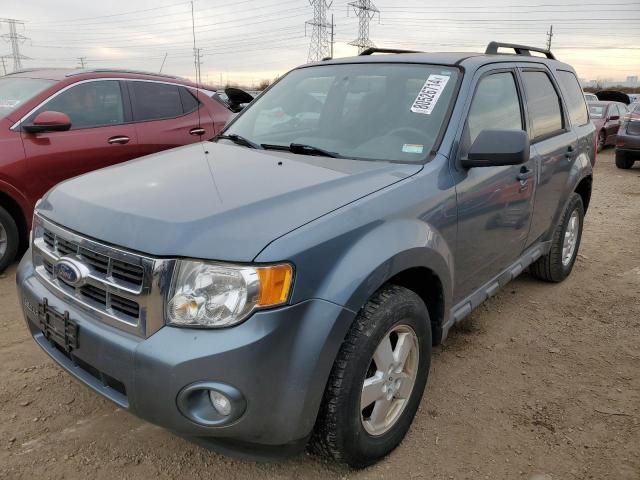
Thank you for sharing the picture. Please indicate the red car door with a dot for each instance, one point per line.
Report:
(167, 115)
(100, 134)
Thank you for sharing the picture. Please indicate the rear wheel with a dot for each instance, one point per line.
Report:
(624, 160)
(558, 263)
(602, 140)
(9, 239)
(377, 380)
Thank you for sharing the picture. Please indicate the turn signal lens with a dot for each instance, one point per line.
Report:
(275, 283)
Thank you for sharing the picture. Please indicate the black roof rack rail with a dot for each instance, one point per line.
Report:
(492, 49)
(119, 70)
(372, 50)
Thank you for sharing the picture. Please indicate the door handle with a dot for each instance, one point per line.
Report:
(119, 140)
(197, 131)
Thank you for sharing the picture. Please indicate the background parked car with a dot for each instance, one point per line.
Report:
(628, 139)
(56, 124)
(606, 116)
(590, 97)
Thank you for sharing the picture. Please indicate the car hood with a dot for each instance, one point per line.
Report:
(210, 200)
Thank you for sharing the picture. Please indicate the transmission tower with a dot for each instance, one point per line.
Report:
(320, 46)
(549, 37)
(365, 10)
(15, 39)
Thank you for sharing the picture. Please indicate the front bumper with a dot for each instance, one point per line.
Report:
(279, 360)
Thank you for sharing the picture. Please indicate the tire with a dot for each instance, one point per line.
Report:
(602, 140)
(341, 433)
(551, 267)
(623, 160)
(9, 239)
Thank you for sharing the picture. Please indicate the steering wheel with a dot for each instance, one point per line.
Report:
(409, 130)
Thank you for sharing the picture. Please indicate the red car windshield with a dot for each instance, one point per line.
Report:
(16, 91)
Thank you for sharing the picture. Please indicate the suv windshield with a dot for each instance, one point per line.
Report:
(15, 91)
(372, 111)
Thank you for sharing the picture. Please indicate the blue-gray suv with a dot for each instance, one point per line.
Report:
(283, 285)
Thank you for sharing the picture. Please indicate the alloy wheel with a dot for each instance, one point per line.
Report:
(570, 238)
(389, 380)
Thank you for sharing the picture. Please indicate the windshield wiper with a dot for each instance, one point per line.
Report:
(238, 139)
(301, 149)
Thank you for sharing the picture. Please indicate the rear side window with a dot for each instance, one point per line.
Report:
(543, 104)
(495, 105)
(573, 97)
(154, 101)
(88, 105)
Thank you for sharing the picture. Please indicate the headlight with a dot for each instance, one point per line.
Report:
(220, 295)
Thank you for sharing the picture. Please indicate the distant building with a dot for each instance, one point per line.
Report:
(632, 81)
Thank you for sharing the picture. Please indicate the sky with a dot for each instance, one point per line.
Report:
(246, 41)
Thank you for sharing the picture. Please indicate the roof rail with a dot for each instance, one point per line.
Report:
(119, 70)
(492, 49)
(372, 50)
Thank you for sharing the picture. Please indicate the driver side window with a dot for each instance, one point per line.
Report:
(90, 104)
(495, 105)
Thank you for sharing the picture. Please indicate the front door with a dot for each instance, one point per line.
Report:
(99, 136)
(494, 203)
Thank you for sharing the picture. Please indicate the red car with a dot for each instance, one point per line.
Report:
(56, 124)
(606, 116)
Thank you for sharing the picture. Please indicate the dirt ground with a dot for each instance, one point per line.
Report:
(542, 382)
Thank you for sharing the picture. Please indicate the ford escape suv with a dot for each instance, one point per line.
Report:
(283, 285)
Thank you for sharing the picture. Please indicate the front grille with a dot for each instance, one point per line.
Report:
(122, 287)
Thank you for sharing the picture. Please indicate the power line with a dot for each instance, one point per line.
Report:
(319, 47)
(365, 10)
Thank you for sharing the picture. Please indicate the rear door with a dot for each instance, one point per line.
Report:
(100, 134)
(167, 116)
(554, 146)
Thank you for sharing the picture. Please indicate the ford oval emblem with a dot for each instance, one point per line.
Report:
(69, 272)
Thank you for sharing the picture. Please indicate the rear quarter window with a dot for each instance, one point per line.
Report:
(577, 107)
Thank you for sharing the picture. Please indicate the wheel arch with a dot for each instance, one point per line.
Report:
(584, 189)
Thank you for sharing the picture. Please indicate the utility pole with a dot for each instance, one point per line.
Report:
(15, 39)
(197, 53)
(319, 45)
(549, 37)
(4, 67)
(83, 62)
(332, 36)
(163, 60)
(365, 10)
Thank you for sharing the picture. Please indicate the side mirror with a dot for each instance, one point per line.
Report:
(613, 117)
(495, 148)
(49, 122)
(237, 98)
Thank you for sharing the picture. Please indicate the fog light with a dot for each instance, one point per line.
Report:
(220, 403)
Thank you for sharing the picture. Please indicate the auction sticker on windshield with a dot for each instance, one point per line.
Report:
(429, 94)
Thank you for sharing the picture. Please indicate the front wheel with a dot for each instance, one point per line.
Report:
(9, 239)
(377, 380)
(558, 263)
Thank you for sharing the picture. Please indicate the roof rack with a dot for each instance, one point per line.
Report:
(119, 70)
(492, 49)
(372, 50)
